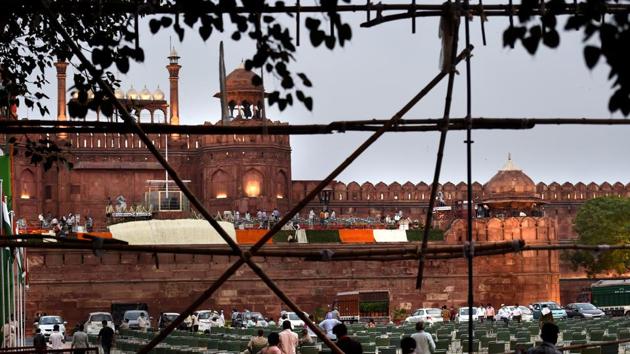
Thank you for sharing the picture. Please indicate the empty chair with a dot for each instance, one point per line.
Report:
(496, 347)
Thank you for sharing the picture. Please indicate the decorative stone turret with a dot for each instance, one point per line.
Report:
(173, 78)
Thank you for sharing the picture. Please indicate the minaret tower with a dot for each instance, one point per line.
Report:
(61, 66)
(173, 78)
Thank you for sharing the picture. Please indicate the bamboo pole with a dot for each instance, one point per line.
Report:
(405, 125)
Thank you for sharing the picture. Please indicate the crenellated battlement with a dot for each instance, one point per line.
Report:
(395, 192)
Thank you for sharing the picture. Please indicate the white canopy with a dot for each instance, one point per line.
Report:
(171, 232)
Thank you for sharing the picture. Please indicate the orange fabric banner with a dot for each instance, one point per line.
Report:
(81, 235)
(250, 236)
(356, 236)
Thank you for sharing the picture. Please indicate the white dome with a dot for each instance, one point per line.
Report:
(90, 94)
(132, 94)
(145, 94)
(158, 94)
(119, 93)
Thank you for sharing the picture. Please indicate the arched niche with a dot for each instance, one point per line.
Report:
(253, 183)
(220, 183)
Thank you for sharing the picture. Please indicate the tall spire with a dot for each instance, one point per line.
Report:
(61, 66)
(509, 165)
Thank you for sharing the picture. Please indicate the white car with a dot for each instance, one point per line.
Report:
(95, 320)
(46, 324)
(527, 315)
(293, 318)
(132, 317)
(429, 315)
(208, 319)
(463, 314)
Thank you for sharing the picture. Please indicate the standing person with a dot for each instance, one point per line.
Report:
(143, 323)
(336, 313)
(274, 344)
(328, 325)
(288, 339)
(8, 332)
(56, 338)
(446, 314)
(481, 313)
(344, 342)
(424, 340)
(222, 316)
(195, 323)
(79, 340)
(106, 338)
(549, 335)
(546, 316)
(504, 314)
(39, 341)
(490, 313)
(453, 314)
(517, 314)
(408, 345)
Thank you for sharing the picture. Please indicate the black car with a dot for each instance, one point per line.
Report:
(583, 310)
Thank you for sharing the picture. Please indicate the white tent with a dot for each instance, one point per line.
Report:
(171, 232)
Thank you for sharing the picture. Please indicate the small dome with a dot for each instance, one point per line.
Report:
(173, 52)
(510, 181)
(158, 94)
(90, 94)
(119, 93)
(132, 94)
(145, 94)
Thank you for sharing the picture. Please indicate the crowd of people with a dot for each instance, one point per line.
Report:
(63, 225)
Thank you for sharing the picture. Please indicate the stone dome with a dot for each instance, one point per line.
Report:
(241, 80)
(158, 94)
(510, 181)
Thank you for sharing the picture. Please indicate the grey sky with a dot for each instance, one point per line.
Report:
(381, 68)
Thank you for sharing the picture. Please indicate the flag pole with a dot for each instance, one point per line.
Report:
(2, 265)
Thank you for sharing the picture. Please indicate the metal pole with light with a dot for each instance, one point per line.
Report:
(324, 196)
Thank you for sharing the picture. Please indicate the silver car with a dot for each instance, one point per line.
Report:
(428, 315)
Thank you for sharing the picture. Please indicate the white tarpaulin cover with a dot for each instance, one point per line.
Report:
(390, 235)
(170, 232)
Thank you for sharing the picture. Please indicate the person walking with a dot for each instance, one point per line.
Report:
(106, 338)
(79, 340)
(39, 341)
(424, 340)
(328, 324)
(481, 313)
(408, 345)
(344, 342)
(549, 334)
(56, 338)
(288, 339)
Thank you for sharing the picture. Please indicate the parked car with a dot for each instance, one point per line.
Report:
(208, 319)
(558, 312)
(429, 315)
(133, 315)
(583, 310)
(46, 324)
(292, 317)
(95, 320)
(463, 314)
(527, 315)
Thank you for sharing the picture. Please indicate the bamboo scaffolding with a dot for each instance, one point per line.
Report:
(405, 125)
(409, 9)
(349, 252)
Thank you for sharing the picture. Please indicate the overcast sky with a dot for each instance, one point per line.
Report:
(375, 74)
